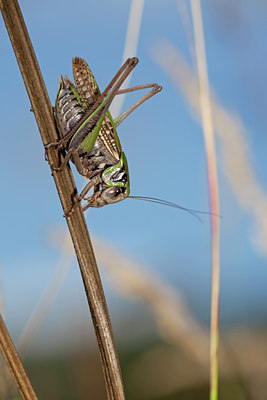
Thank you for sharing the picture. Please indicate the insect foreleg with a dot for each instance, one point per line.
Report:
(89, 203)
(94, 182)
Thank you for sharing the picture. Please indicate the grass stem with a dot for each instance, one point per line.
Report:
(207, 124)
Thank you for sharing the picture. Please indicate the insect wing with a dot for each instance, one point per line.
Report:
(85, 82)
(89, 93)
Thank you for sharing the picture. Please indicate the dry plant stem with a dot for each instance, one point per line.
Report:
(14, 363)
(208, 130)
(67, 192)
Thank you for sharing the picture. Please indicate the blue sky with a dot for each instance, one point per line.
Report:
(164, 148)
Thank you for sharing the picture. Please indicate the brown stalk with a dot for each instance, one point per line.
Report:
(11, 356)
(67, 193)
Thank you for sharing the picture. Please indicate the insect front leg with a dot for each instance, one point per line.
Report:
(95, 200)
(92, 200)
(94, 182)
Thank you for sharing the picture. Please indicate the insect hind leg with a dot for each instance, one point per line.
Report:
(155, 89)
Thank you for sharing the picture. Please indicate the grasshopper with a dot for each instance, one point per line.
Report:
(88, 134)
(88, 131)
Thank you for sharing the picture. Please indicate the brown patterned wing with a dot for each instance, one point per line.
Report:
(85, 82)
(89, 93)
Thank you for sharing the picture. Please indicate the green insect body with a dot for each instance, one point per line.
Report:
(97, 144)
(88, 131)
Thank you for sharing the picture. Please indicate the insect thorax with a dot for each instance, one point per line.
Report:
(96, 160)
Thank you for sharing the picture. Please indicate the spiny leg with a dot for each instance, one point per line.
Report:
(94, 182)
(155, 89)
(93, 200)
(72, 153)
(108, 94)
(90, 128)
(88, 205)
(129, 63)
(120, 77)
(138, 87)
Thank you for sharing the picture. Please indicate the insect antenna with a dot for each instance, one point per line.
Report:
(170, 204)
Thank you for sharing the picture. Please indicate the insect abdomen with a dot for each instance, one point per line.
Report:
(68, 109)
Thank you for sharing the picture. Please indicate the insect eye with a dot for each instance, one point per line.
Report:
(117, 191)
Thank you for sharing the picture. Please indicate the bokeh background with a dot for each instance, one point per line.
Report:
(155, 261)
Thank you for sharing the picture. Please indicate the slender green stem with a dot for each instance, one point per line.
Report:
(207, 123)
(67, 193)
